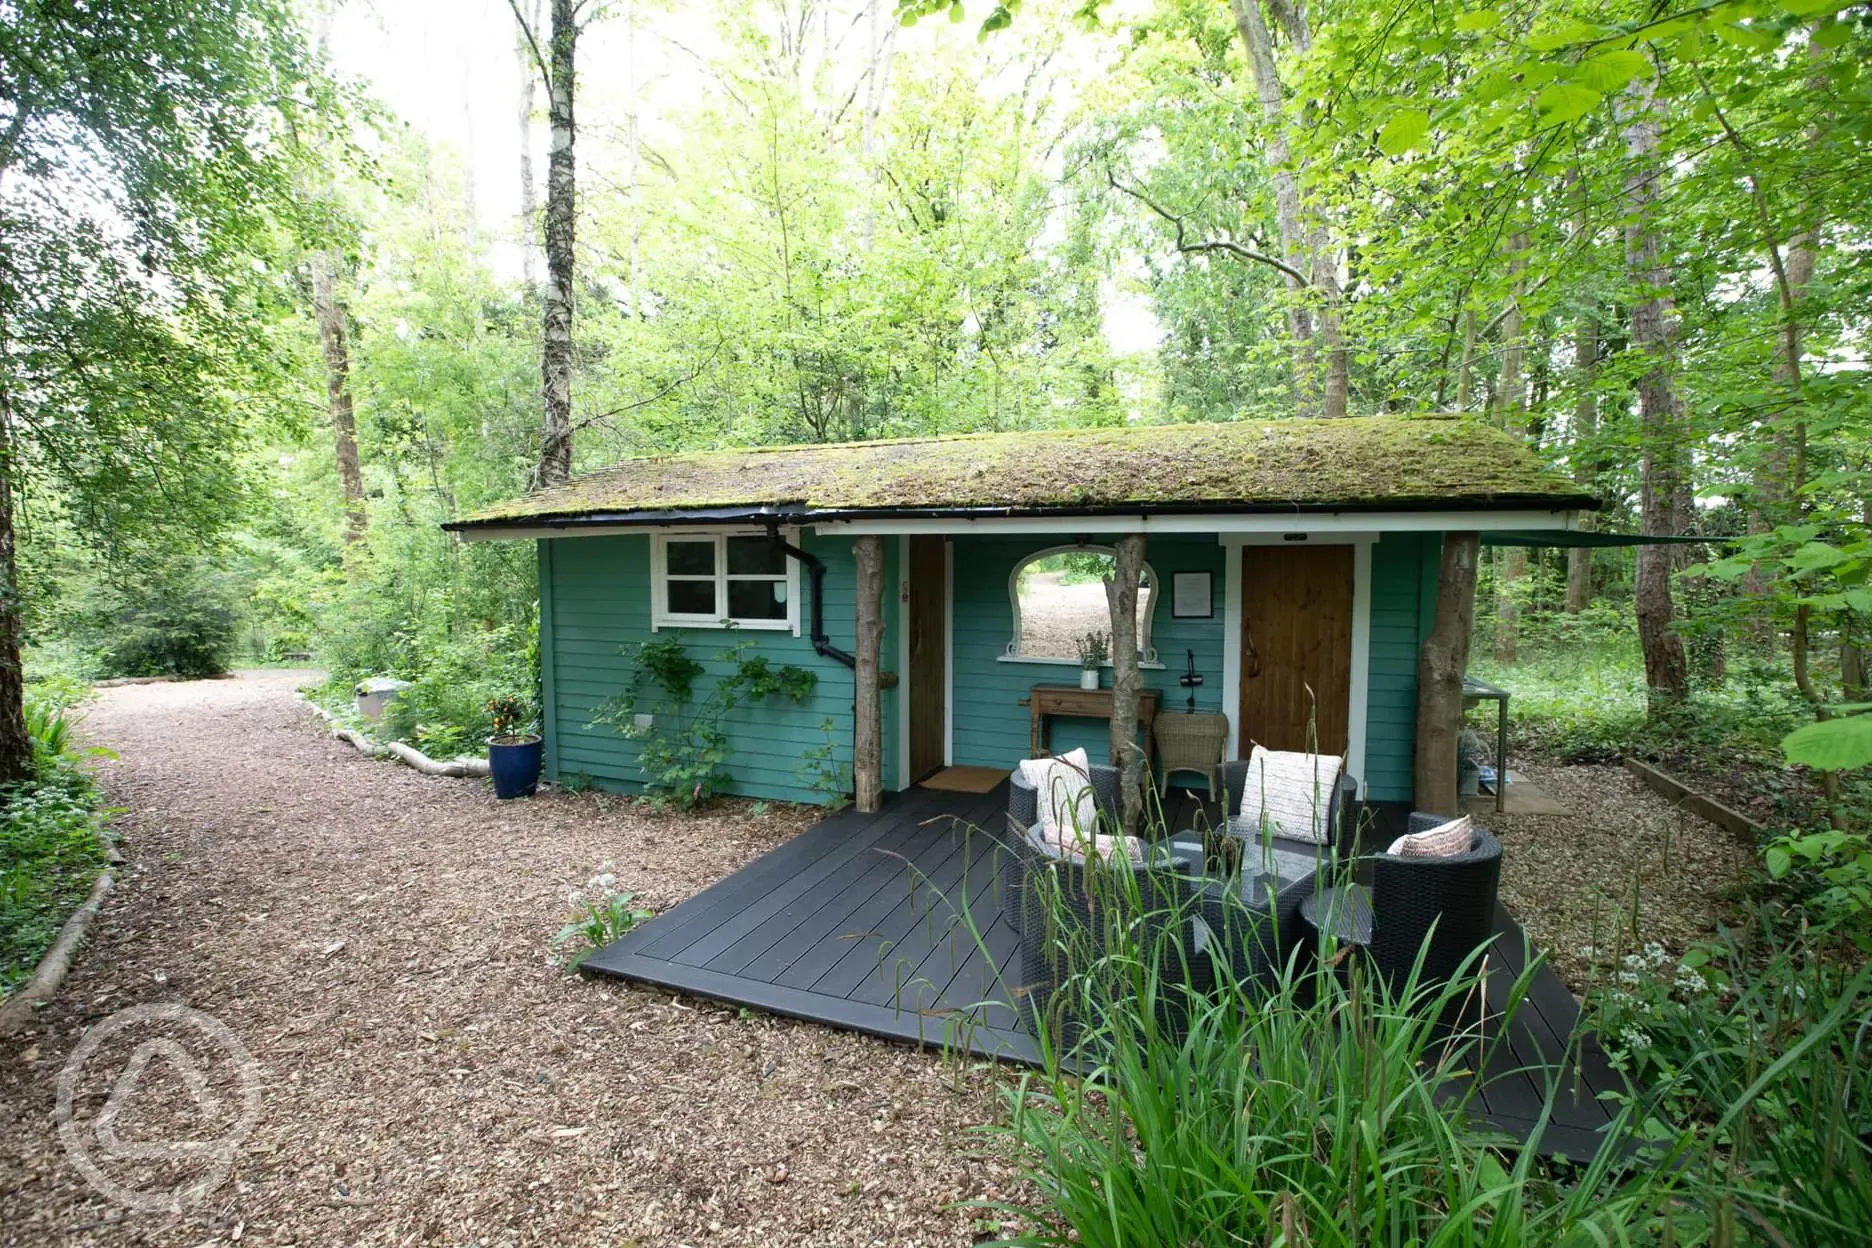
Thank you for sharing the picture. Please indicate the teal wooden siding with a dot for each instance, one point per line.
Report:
(595, 598)
(991, 728)
(1398, 604)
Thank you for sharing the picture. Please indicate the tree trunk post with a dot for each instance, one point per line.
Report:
(1121, 595)
(1585, 428)
(1440, 667)
(868, 715)
(555, 463)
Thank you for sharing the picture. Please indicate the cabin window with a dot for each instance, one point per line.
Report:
(1058, 596)
(721, 580)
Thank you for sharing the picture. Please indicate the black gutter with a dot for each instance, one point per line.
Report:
(769, 515)
(815, 572)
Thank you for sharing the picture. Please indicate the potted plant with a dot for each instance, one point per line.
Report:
(1094, 649)
(1470, 751)
(513, 751)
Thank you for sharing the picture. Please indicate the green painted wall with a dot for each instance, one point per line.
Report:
(595, 597)
(991, 728)
(1397, 624)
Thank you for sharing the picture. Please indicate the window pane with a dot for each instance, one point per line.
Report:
(754, 556)
(757, 600)
(691, 558)
(692, 598)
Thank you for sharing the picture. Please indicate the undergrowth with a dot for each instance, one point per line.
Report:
(51, 842)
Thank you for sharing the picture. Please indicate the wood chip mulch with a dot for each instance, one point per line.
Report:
(379, 941)
(1622, 868)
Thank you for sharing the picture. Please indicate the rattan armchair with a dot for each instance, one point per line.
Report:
(1451, 901)
(1341, 820)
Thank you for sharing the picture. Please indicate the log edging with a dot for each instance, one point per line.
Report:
(1684, 797)
(56, 964)
(408, 755)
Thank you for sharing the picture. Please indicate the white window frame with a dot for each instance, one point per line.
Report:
(662, 617)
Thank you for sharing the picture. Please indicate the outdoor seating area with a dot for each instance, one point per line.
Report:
(929, 922)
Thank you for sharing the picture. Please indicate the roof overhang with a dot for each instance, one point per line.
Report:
(1523, 516)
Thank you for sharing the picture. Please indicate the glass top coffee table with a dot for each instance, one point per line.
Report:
(1250, 918)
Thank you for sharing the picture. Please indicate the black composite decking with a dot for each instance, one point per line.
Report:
(891, 924)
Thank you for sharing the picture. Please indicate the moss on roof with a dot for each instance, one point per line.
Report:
(1370, 461)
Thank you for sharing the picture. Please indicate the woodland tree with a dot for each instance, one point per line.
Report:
(133, 309)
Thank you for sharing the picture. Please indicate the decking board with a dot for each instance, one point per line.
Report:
(852, 924)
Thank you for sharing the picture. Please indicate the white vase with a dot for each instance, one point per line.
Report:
(1088, 678)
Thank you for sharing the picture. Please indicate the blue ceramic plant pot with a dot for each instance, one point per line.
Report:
(515, 767)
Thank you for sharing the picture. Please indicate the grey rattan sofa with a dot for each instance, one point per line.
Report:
(1408, 896)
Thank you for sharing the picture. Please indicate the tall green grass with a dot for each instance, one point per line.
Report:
(1316, 1104)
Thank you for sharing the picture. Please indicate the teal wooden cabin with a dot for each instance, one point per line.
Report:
(1291, 564)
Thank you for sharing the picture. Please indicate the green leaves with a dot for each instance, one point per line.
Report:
(1609, 72)
(1406, 130)
(1835, 745)
(1562, 102)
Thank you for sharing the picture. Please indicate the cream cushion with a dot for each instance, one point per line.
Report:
(1446, 840)
(1069, 809)
(1289, 793)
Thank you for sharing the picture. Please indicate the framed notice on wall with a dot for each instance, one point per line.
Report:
(1190, 596)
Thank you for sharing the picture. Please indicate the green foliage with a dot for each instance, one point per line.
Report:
(1759, 1034)
(1094, 649)
(51, 844)
(683, 750)
(1830, 873)
(601, 912)
(821, 770)
(174, 627)
(509, 715)
(1831, 745)
(1316, 1108)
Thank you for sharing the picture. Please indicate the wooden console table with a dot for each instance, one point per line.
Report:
(1044, 702)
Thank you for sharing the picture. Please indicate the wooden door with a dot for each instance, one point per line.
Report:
(927, 619)
(1296, 633)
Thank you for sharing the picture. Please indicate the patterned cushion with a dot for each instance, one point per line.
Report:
(1103, 846)
(1446, 840)
(1291, 793)
(1068, 808)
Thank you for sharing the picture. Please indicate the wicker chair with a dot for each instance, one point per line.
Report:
(1341, 825)
(1407, 897)
(1060, 908)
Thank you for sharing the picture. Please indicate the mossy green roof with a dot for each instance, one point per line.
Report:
(1367, 463)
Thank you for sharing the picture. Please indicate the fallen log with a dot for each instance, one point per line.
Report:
(53, 967)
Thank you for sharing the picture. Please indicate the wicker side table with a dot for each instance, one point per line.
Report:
(1191, 741)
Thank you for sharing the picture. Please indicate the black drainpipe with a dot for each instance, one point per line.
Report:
(815, 571)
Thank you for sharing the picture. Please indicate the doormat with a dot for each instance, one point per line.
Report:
(966, 779)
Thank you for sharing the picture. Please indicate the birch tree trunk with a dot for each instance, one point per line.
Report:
(1251, 26)
(529, 194)
(335, 345)
(1664, 483)
(1121, 595)
(868, 714)
(1441, 663)
(555, 463)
